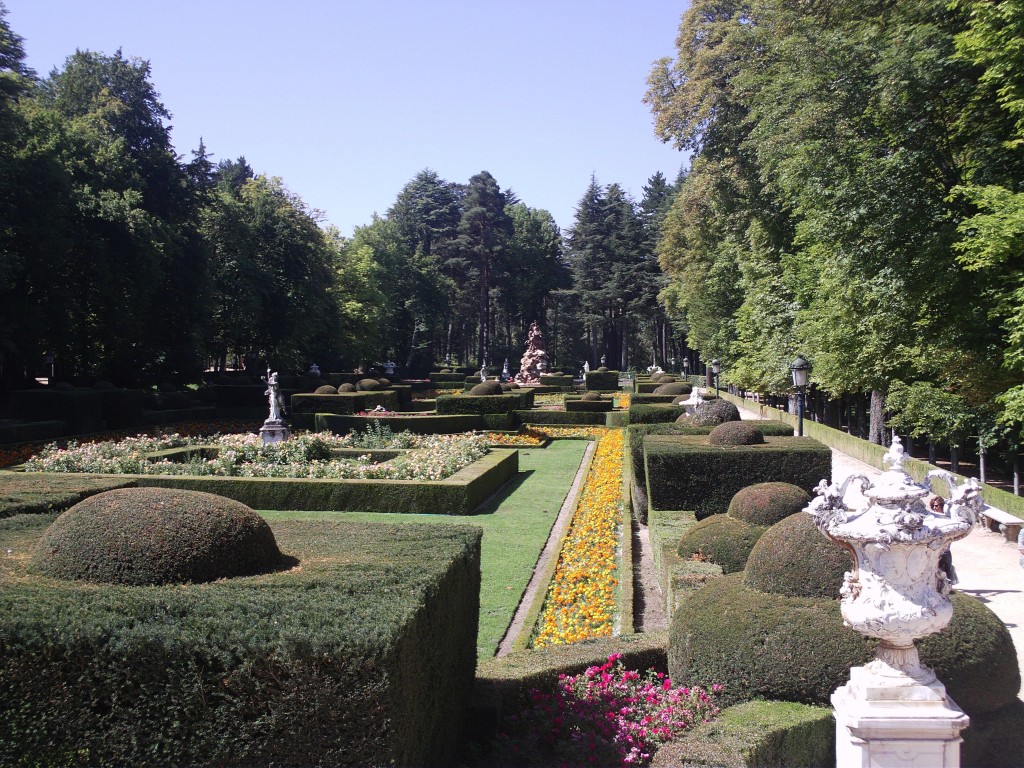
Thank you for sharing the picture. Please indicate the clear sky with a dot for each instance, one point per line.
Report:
(347, 101)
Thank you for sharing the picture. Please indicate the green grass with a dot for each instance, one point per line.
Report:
(516, 524)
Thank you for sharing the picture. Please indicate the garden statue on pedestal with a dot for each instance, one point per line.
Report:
(535, 359)
(483, 372)
(274, 429)
(506, 374)
(586, 366)
(314, 370)
(389, 368)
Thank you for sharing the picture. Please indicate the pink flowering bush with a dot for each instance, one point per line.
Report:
(608, 716)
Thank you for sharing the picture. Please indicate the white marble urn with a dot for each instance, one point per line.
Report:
(896, 591)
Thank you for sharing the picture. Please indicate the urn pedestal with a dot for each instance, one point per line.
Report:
(893, 712)
(274, 431)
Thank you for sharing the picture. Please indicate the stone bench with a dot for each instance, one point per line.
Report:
(1002, 522)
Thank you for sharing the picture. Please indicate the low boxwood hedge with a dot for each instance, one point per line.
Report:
(563, 381)
(345, 403)
(559, 417)
(650, 399)
(589, 406)
(33, 493)
(761, 733)
(32, 431)
(459, 494)
(723, 540)
(364, 655)
(686, 473)
(446, 405)
(427, 424)
(606, 381)
(82, 409)
(449, 378)
(636, 432)
(655, 413)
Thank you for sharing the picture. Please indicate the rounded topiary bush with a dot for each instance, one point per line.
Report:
(327, 389)
(721, 539)
(673, 388)
(680, 400)
(768, 503)
(445, 370)
(714, 412)
(384, 383)
(591, 396)
(793, 558)
(346, 387)
(736, 433)
(368, 385)
(769, 646)
(486, 388)
(144, 536)
(602, 369)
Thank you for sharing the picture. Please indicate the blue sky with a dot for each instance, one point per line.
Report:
(347, 101)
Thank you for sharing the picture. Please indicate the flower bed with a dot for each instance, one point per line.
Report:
(432, 457)
(525, 438)
(581, 601)
(569, 433)
(608, 715)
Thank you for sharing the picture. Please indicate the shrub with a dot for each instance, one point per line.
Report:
(364, 656)
(655, 414)
(384, 383)
(674, 388)
(714, 412)
(793, 558)
(592, 405)
(602, 380)
(346, 387)
(768, 503)
(140, 536)
(736, 433)
(722, 540)
(327, 389)
(686, 473)
(498, 402)
(32, 493)
(368, 385)
(640, 398)
(591, 396)
(797, 649)
(559, 417)
(486, 388)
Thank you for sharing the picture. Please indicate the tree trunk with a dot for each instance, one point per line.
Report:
(876, 425)
(981, 460)
(1016, 474)
(954, 459)
(860, 413)
(932, 457)
(412, 345)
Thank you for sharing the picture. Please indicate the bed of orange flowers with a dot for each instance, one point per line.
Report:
(525, 438)
(581, 601)
(623, 400)
(571, 433)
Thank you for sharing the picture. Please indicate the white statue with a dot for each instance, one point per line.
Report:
(314, 370)
(586, 366)
(274, 395)
(506, 374)
(389, 367)
(483, 372)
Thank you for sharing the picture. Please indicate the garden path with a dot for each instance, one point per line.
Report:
(987, 565)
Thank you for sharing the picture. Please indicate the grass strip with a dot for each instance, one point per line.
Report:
(516, 524)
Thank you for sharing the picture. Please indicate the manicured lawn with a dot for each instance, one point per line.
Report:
(516, 524)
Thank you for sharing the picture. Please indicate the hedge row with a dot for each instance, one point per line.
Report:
(651, 399)
(559, 417)
(589, 406)
(655, 413)
(636, 434)
(480, 404)
(449, 378)
(607, 381)
(686, 473)
(32, 431)
(562, 382)
(348, 403)
(32, 493)
(363, 656)
(419, 425)
(82, 409)
(459, 494)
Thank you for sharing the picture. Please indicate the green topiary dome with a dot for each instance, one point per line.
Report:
(384, 383)
(714, 412)
(793, 558)
(146, 536)
(602, 369)
(327, 389)
(346, 387)
(486, 388)
(736, 433)
(591, 396)
(769, 646)
(721, 539)
(673, 388)
(368, 385)
(768, 503)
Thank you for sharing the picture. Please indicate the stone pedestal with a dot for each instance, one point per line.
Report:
(891, 721)
(274, 431)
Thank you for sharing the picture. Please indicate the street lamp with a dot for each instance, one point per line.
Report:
(716, 368)
(800, 369)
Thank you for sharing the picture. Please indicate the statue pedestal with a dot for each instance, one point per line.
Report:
(274, 431)
(883, 721)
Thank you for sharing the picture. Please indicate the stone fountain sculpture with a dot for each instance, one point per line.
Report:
(535, 359)
(275, 428)
(896, 593)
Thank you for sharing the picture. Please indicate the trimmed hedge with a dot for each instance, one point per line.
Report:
(764, 646)
(686, 473)
(655, 413)
(559, 417)
(34, 493)
(757, 733)
(768, 503)
(563, 381)
(606, 381)
(723, 540)
(636, 433)
(446, 405)
(793, 558)
(32, 431)
(363, 656)
(650, 399)
(449, 378)
(344, 403)
(240, 395)
(419, 425)
(714, 412)
(736, 433)
(589, 406)
(122, 408)
(146, 536)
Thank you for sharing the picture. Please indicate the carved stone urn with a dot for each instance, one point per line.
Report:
(896, 593)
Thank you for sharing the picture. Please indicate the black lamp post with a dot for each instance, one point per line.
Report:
(716, 368)
(800, 369)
